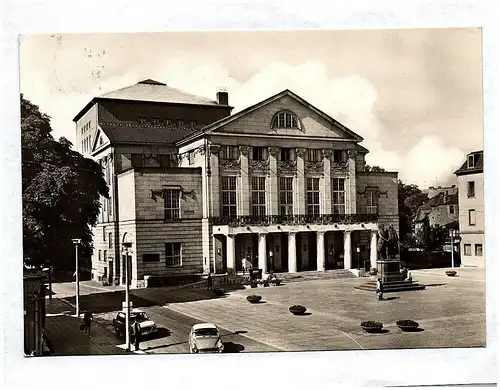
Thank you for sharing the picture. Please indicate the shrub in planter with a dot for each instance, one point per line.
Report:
(297, 309)
(451, 273)
(407, 324)
(254, 298)
(373, 271)
(253, 284)
(275, 282)
(372, 326)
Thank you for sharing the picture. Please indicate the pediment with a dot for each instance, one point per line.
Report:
(258, 120)
(100, 139)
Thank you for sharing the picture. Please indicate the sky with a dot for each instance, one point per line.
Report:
(414, 95)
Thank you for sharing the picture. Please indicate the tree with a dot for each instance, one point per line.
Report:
(410, 198)
(61, 191)
(375, 168)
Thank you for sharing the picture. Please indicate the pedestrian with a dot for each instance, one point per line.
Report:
(380, 289)
(87, 321)
(137, 333)
(210, 285)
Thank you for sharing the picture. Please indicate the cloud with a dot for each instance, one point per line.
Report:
(351, 100)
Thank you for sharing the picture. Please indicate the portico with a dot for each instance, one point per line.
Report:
(293, 248)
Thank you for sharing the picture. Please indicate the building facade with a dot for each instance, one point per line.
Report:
(471, 202)
(280, 186)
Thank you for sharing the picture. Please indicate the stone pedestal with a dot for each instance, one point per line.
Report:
(389, 271)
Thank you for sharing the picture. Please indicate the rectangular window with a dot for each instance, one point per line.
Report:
(371, 202)
(472, 217)
(150, 257)
(156, 121)
(165, 161)
(470, 161)
(104, 233)
(314, 155)
(258, 196)
(287, 154)
(471, 189)
(452, 209)
(229, 196)
(286, 195)
(467, 249)
(172, 203)
(110, 240)
(105, 255)
(136, 160)
(479, 249)
(229, 153)
(312, 196)
(259, 154)
(338, 196)
(173, 254)
(99, 255)
(339, 156)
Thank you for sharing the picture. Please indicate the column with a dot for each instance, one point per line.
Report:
(292, 257)
(347, 250)
(272, 183)
(243, 194)
(327, 182)
(373, 250)
(320, 244)
(212, 181)
(262, 253)
(351, 182)
(299, 195)
(230, 255)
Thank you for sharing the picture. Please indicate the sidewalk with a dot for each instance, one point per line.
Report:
(63, 329)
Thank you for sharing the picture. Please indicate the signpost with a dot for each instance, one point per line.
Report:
(127, 303)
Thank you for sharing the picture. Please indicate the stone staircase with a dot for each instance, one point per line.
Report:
(315, 275)
(403, 285)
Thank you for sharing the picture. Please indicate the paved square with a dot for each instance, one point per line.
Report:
(451, 312)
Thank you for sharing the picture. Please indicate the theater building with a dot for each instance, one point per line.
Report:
(280, 186)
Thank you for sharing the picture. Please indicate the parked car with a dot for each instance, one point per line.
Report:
(146, 325)
(205, 338)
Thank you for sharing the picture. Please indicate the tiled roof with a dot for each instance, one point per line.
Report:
(477, 168)
(438, 200)
(144, 134)
(154, 91)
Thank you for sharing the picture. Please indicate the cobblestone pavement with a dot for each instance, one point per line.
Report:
(451, 313)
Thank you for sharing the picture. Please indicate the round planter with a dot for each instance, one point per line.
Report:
(451, 273)
(372, 329)
(254, 298)
(297, 311)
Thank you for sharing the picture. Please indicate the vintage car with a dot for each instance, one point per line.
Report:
(205, 338)
(145, 324)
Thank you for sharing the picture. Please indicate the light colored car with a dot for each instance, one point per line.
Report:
(205, 338)
(146, 325)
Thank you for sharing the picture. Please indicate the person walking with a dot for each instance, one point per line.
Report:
(137, 333)
(210, 282)
(87, 321)
(380, 289)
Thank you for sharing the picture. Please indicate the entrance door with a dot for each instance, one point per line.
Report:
(111, 275)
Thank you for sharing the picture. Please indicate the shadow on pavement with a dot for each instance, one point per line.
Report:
(240, 332)
(390, 298)
(112, 301)
(230, 347)
(415, 330)
(436, 284)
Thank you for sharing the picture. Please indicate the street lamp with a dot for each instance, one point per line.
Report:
(126, 246)
(77, 241)
(452, 234)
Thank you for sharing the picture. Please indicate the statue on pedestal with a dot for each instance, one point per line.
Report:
(383, 241)
(393, 244)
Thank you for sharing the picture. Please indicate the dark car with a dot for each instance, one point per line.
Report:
(146, 325)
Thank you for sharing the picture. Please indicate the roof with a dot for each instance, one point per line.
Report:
(477, 168)
(123, 133)
(152, 91)
(361, 149)
(440, 199)
(231, 118)
(204, 326)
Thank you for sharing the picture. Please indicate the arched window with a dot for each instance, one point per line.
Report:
(285, 120)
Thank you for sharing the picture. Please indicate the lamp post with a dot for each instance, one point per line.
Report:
(452, 234)
(126, 246)
(77, 241)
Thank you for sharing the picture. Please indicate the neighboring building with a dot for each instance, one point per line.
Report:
(271, 184)
(446, 190)
(443, 211)
(471, 201)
